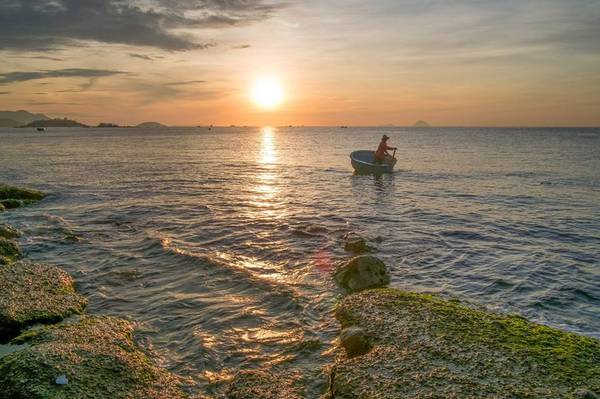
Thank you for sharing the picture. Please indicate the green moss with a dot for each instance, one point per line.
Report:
(427, 346)
(96, 354)
(33, 293)
(2, 208)
(9, 251)
(261, 385)
(11, 192)
(7, 231)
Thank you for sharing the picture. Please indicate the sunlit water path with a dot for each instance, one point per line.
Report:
(220, 243)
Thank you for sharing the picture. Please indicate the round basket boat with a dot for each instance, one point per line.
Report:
(363, 162)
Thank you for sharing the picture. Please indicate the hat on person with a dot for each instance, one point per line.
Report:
(385, 137)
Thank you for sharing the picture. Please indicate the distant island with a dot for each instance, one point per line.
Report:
(19, 118)
(107, 124)
(150, 125)
(421, 124)
(55, 123)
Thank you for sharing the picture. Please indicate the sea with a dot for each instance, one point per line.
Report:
(219, 244)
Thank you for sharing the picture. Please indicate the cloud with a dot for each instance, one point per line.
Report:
(51, 24)
(241, 46)
(14, 77)
(145, 56)
(4, 92)
(189, 82)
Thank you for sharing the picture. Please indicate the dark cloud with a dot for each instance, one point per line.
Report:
(49, 24)
(241, 46)
(145, 56)
(13, 77)
(189, 82)
(4, 92)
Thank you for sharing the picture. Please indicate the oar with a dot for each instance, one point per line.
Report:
(394, 156)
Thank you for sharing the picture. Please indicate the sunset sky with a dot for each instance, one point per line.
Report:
(190, 62)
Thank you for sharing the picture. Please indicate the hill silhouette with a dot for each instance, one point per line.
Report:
(22, 117)
(55, 123)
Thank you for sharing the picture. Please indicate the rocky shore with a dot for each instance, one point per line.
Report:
(49, 348)
(392, 344)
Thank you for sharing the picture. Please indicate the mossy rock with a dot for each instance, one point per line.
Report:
(34, 293)
(259, 384)
(98, 357)
(9, 252)
(426, 347)
(17, 193)
(7, 231)
(2, 208)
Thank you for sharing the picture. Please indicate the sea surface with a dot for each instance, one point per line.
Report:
(220, 244)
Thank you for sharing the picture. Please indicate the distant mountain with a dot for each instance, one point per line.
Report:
(421, 124)
(23, 117)
(9, 123)
(108, 124)
(55, 123)
(150, 125)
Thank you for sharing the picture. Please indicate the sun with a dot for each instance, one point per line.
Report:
(267, 92)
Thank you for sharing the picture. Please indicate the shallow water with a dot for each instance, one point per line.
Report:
(220, 243)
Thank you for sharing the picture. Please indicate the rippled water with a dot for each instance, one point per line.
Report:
(220, 243)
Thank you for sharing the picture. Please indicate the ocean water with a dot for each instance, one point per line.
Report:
(220, 244)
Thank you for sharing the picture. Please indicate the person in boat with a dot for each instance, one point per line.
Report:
(382, 150)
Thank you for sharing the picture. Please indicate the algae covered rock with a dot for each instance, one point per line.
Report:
(9, 251)
(2, 208)
(96, 357)
(261, 385)
(7, 231)
(426, 347)
(34, 293)
(362, 272)
(11, 192)
(16, 197)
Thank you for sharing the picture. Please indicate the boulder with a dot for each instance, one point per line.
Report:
(7, 231)
(362, 272)
(2, 208)
(424, 347)
(93, 357)
(34, 293)
(355, 341)
(9, 251)
(258, 384)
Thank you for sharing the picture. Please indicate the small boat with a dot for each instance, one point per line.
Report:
(41, 129)
(363, 162)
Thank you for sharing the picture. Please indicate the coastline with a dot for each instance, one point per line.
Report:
(429, 345)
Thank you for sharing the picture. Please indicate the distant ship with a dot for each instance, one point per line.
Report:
(41, 129)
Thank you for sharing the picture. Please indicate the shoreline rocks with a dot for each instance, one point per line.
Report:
(424, 346)
(93, 357)
(9, 251)
(362, 272)
(34, 293)
(356, 244)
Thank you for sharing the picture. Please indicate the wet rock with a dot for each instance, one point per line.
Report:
(2, 208)
(356, 244)
(11, 203)
(355, 341)
(97, 357)
(362, 272)
(9, 251)
(261, 385)
(34, 293)
(7, 231)
(15, 197)
(11, 192)
(424, 346)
